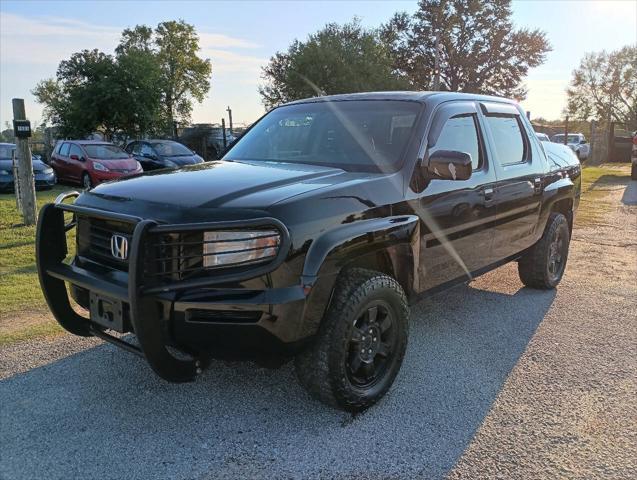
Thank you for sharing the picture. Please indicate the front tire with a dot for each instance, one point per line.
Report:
(87, 183)
(361, 343)
(543, 265)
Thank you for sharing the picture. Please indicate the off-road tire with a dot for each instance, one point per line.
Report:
(533, 267)
(323, 367)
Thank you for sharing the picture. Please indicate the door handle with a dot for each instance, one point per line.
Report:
(487, 193)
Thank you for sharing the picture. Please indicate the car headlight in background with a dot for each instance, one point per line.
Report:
(227, 248)
(169, 164)
(5, 172)
(47, 171)
(100, 167)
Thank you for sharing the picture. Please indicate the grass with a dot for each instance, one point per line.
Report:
(20, 293)
(597, 183)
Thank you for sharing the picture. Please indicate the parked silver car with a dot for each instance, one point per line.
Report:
(577, 142)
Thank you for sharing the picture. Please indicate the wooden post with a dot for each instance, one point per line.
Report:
(592, 142)
(25, 186)
(223, 129)
(229, 110)
(566, 131)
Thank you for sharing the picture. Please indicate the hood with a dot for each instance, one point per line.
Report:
(211, 185)
(183, 159)
(119, 164)
(6, 164)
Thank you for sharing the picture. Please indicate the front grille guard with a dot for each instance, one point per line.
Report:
(51, 250)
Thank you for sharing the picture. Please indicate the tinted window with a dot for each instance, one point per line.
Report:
(75, 150)
(171, 149)
(353, 135)
(507, 135)
(105, 151)
(460, 134)
(145, 149)
(64, 150)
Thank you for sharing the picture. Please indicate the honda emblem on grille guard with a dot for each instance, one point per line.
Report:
(119, 247)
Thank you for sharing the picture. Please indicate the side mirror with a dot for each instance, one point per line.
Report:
(450, 165)
(74, 157)
(583, 142)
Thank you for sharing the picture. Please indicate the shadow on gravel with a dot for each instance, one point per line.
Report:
(103, 414)
(630, 194)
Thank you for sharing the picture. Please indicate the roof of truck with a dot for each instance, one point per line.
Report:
(404, 96)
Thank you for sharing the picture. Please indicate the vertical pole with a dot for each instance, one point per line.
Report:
(229, 110)
(223, 130)
(591, 154)
(566, 131)
(528, 115)
(25, 186)
(437, 63)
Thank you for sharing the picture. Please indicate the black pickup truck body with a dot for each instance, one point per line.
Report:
(424, 231)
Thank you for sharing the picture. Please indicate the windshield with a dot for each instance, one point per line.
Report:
(5, 151)
(105, 151)
(358, 135)
(171, 149)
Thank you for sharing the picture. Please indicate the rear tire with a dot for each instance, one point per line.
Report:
(361, 343)
(543, 265)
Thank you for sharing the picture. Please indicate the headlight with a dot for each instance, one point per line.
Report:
(47, 171)
(5, 172)
(225, 248)
(100, 167)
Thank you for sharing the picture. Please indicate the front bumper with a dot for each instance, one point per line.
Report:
(192, 315)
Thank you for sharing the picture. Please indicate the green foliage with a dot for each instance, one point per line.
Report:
(337, 59)
(480, 51)
(604, 86)
(182, 77)
(144, 88)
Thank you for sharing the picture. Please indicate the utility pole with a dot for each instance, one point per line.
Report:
(229, 110)
(566, 131)
(23, 181)
(437, 63)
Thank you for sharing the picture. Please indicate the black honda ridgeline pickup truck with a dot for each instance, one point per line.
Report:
(312, 236)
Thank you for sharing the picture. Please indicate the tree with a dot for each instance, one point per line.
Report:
(480, 51)
(143, 89)
(183, 76)
(337, 59)
(604, 86)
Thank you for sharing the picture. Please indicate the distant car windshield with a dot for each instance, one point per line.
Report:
(105, 151)
(357, 135)
(171, 149)
(5, 151)
(570, 139)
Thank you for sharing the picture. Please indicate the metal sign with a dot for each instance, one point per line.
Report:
(22, 128)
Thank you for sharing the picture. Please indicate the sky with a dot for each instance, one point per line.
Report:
(239, 37)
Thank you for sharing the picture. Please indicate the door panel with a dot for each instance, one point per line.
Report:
(456, 216)
(76, 166)
(518, 191)
(61, 161)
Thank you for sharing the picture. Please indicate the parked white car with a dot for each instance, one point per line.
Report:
(577, 142)
(542, 137)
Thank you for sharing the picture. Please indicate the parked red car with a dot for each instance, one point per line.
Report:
(90, 162)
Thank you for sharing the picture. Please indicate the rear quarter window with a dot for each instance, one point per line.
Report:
(64, 149)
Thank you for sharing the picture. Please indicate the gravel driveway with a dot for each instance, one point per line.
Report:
(498, 381)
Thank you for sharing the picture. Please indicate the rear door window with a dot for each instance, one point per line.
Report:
(511, 145)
